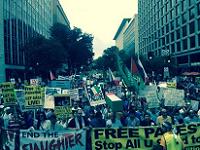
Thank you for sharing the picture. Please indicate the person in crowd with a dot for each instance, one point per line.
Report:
(147, 121)
(163, 118)
(6, 116)
(98, 121)
(178, 117)
(42, 122)
(191, 117)
(78, 120)
(170, 140)
(132, 120)
(153, 114)
(63, 121)
(54, 125)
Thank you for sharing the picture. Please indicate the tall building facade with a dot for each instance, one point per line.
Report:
(119, 36)
(130, 36)
(172, 25)
(19, 21)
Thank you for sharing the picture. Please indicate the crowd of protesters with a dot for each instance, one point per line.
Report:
(135, 113)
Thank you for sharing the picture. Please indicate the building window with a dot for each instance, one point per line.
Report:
(172, 36)
(199, 38)
(178, 9)
(178, 21)
(192, 27)
(192, 42)
(184, 5)
(199, 24)
(184, 18)
(198, 7)
(172, 48)
(178, 47)
(191, 2)
(172, 25)
(191, 13)
(184, 42)
(167, 39)
(167, 28)
(178, 34)
(184, 30)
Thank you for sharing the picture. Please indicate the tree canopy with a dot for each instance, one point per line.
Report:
(65, 46)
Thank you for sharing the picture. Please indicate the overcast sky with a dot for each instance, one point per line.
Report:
(101, 18)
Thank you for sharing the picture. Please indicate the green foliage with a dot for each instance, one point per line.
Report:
(65, 46)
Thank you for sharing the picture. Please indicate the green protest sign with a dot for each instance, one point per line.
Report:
(141, 138)
(34, 96)
(8, 93)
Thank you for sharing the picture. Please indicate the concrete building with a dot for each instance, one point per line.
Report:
(119, 36)
(171, 25)
(19, 21)
(130, 36)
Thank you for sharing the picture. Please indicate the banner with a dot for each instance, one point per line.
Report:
(62, 140)
(34, 96)
(141, 138)
(8, 93)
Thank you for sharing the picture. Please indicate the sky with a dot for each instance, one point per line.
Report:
(101, 18)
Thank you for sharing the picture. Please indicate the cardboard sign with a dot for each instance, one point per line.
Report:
(62, 105)
(171, 84)
(8, 93)
(174, 97)
(34, 96)
(34, 82)
(74, 94)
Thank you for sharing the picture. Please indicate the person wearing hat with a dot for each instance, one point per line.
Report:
(163, 118)
(170, 140)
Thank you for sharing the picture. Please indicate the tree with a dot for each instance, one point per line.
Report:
(43, 55)
(77, 44)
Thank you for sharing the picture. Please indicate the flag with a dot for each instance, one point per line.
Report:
(111, 75)
(52, 77)
(142, 70)
(134, 68)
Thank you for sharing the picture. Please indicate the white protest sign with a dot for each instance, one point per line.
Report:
(174, 97)
(34, 82)
(52, 140)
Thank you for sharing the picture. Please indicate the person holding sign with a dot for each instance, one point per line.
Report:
(170, 140)
(163, 118)
(43, 123)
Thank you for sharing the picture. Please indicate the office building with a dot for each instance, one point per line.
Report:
(119, 36)
(172, 25)
(19, 21)
(130, 36)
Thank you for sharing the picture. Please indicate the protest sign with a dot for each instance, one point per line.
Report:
(174, 97)
(96, 96)
(20, 98)
(74, 94)
(141, 138)
(62, 105)
(52, 140)
(52, 90)
(34, 82)
(8, 93)
(171, 85)
(34, 96)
